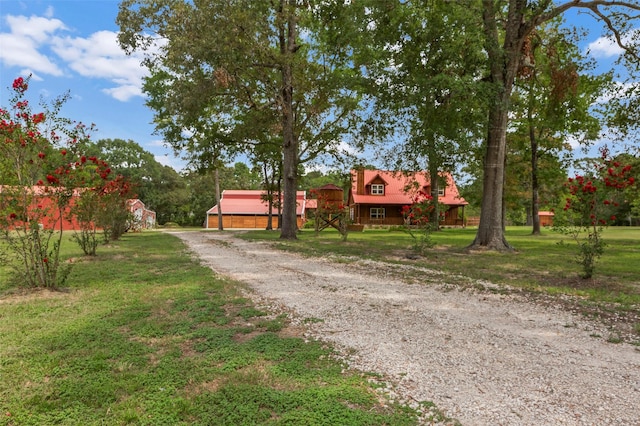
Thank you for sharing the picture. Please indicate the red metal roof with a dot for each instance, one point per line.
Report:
(235, 201)
(401, 188)
(328, 187)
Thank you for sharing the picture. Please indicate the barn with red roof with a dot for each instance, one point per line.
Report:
(248, 209)
(55, 218)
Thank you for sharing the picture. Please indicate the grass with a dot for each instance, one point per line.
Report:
(539, 265)
(146, 335)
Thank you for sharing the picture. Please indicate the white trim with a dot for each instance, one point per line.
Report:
(378, 211)
(377, 189)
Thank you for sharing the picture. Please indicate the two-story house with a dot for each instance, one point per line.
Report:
(376, 197)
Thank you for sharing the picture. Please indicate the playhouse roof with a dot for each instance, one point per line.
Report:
(328, 187)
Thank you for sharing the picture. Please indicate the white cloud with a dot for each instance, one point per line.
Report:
(49, 12)
(169, 158)
(315, 167)
(100, 56)
(175, 163)
(29, 72)
(607, 47)
(344, 147)
(573, 142)
(157, 143)
(591, 149)
(618, 90)
(40, 45)
(35, 28)
(20, 46)
(125, 92)
(604, 47)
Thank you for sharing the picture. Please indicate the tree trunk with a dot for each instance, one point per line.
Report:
(504, 184)
(290, 142)
(279, 202)
(535, 208)
(268, 183)
(503, 64)
(435, 187)
(289, 203)
(270, 215)
(490, 233)
(216, 177)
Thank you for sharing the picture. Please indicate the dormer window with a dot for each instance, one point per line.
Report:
(440, 192)
(377, 189)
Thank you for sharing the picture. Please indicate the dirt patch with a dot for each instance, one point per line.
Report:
(245, 337)
(203, 387)
(292, 331)
(27, 295)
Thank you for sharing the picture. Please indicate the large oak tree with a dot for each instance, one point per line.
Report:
(245, 65)
(507, 25)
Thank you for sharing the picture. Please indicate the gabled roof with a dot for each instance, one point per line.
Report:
(136, 204)
(400, 188)
(235, 201)
(328, 187)
(375, 176)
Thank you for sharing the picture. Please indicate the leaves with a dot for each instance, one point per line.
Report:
(591, 205)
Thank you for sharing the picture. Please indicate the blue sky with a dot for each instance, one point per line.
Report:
(70, 45)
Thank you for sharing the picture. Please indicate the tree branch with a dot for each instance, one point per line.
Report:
(595, 7)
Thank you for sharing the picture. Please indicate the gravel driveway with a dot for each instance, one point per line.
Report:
(483, 358)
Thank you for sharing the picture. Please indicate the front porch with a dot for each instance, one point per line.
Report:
(391, 215)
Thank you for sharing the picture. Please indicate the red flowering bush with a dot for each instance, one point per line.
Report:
(114, 216)
(100, 197)
(31, 197)
(101, 204)
(45, 180)
(591, 205)
(416, 220)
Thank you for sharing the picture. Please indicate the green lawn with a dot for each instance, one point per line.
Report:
(538, 265)
(146, 335)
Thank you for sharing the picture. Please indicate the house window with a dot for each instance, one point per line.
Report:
(440, 192)
(377, 189)
(377, 213)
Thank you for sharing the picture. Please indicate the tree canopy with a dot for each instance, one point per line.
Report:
(438, 80)
(242, 67)
(507, 26)
(555, 98)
